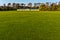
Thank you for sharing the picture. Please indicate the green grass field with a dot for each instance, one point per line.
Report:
(29, 25)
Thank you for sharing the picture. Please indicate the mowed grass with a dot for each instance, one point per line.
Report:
(29, 25)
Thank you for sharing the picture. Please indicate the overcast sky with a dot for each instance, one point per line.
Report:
(25, 1)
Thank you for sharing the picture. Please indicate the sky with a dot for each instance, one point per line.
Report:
(26, 1)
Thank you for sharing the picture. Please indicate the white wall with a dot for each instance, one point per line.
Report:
(27, 9)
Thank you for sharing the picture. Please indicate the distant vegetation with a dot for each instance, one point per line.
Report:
(49, 7)
(41, 6)
(16, 6)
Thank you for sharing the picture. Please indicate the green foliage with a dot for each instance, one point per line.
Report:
(51, 7)
(44, 7)
(41, 6)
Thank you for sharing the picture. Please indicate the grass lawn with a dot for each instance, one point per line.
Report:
(29, 25)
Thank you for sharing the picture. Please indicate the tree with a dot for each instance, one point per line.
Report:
(17, 5)
(58, 6)
(53, 7)
(42, 7)
(4, 6)
(22, 5)
(14, 6)
(30, 5)
(9, 6)
(47, 6)
(35, 4)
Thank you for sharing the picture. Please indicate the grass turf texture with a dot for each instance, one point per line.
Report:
(27, 25)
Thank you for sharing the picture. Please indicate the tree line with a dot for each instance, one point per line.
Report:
(49, 6)
(15, 6)
(41, 6)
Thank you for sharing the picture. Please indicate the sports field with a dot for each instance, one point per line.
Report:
(29, 25)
